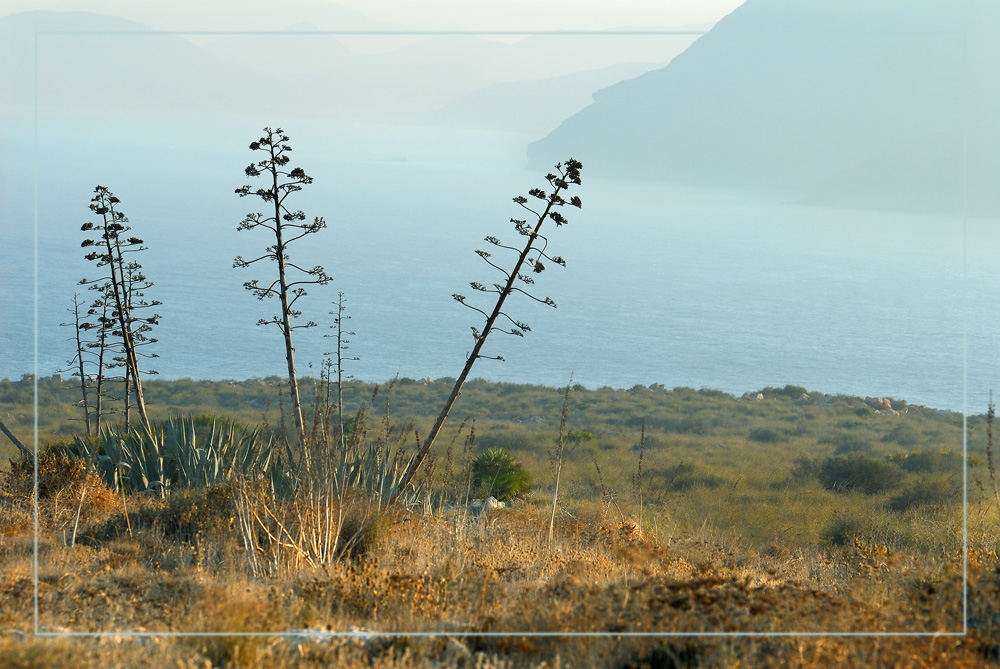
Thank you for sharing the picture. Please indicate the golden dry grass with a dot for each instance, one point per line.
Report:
(750, 543)
(465, 579)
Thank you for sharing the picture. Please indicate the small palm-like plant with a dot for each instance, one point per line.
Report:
(496, 472)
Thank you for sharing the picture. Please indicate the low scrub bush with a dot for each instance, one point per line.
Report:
(850, 442)
(683, 476)
(183, 517)
(805, 468)
(903, 435)
(932, 462)
(692, 425)
(361, 533)
(671, 654)
(696, 479)
(62, 482)
(857, 471)
(789, 392)
(844, 529)
(928, 490)
(767, 435)
(512, 438)
(652, 442)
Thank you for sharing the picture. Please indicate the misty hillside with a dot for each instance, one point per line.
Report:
(396, 76)
(238, 14)
(97, 69)
(92, 63)
(843, 102)
(528, 106)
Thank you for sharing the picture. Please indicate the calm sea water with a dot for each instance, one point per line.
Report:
(664, 284)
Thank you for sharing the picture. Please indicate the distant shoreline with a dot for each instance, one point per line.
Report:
(765, 392)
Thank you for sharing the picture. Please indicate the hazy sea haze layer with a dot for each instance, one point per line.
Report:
(664, 284)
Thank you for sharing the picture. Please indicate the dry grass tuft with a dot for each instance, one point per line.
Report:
(62, 482)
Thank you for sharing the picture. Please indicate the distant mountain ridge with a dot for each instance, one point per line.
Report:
(227, 14)
(888, 104)
(527, 106)
(311, 69)
(80, 67)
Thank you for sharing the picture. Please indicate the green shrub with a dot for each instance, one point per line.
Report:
(857, 471)
(902, 434)
(512, 438)
(767, 435)
(844, 529)
(928, 490)
(652, 442)
(714, 394)
(850, 442)
(60, 448)
(692, 425)
(805, 468)
(495, 472)
(934, 462)
(788, 392)
(683, 476)
(696, 479)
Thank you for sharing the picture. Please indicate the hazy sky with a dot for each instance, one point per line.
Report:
(469, 14)
(545, 14)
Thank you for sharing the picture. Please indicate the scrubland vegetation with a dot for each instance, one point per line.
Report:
(680, 511)
(302, 522)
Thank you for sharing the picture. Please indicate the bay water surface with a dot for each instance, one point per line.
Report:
(664, 283)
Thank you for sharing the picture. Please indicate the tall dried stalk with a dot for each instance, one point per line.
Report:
(989, 451)
(79, 360)
(286, 226)
(79, 508)
(638, 474)
(17, 442)
(560, 451)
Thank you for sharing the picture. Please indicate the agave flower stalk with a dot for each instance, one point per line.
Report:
(286, 226)
(531, 255)
(122, 289)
